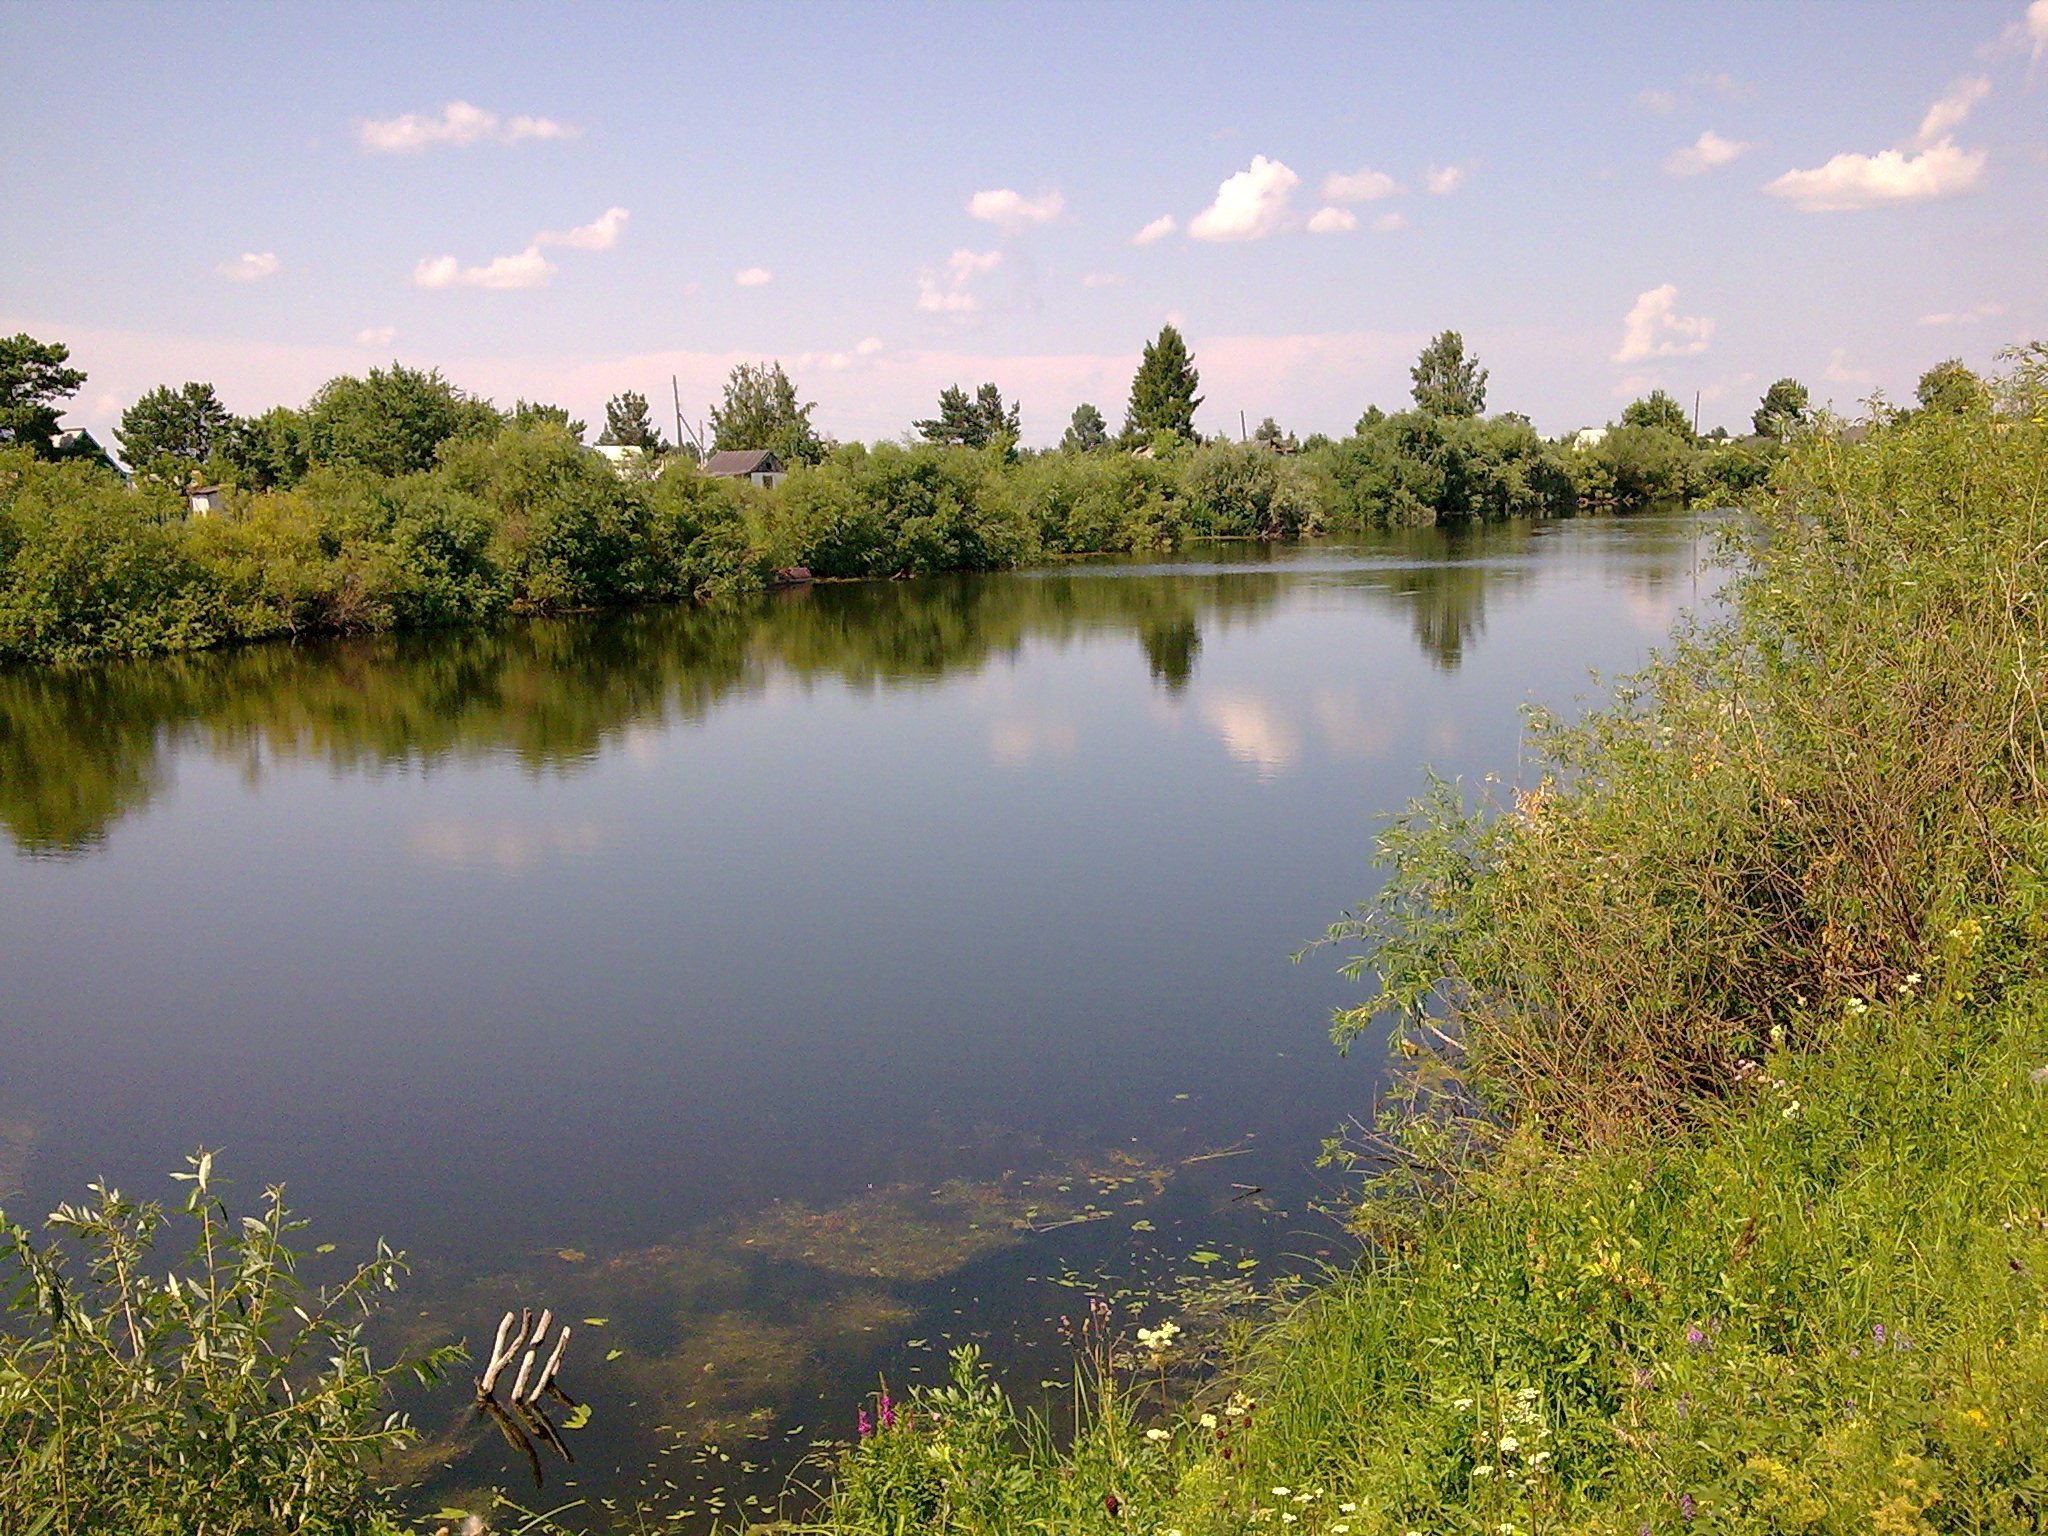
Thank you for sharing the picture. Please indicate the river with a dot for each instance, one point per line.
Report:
(795, 988)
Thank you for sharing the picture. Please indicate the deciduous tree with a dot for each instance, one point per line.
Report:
(1949, 387)
(170, 433)
(1658, 409)
(761, 410)
(392, 421)
(1785, 405)
(1447, 382)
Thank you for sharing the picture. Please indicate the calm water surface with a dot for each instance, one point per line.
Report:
(800, 987)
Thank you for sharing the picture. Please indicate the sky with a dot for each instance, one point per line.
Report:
(561, 202)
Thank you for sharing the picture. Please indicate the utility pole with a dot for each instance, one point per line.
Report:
(1695, 413)
(676, 394)
(1242, 435)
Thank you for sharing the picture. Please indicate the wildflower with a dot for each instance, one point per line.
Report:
(1877, 1332)
(1696, 1338)
(1912, 980)
(1509, 1445)
(1281, 1493)
(1777, 1034)
(1462, 1403)
(1643, 1376)
(1856, 1007)
(1287, 1519)
(1790, 1110)
(861, 1423)
(1340, 1528)
(1158, 1435)
(886, 1411)
(1207, 1421)
(1686, 1507)
(1484, 1469)
(1537, 1458)
(1348, 1507)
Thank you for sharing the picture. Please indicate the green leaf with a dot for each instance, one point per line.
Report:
(578, 1417)
(1205, 1256)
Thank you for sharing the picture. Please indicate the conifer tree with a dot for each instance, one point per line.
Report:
(1086, 432)
(1163, 397)
(629, 424)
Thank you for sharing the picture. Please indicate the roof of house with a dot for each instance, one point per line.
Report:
(749, 461)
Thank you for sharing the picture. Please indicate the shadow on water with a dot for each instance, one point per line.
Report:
(82, 748)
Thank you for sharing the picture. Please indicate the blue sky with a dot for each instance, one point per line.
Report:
(563, 202)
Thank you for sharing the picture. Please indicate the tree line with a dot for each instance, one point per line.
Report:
(396, 500)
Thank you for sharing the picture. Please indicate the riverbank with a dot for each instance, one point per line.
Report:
(1716, 1199)
(526, 521)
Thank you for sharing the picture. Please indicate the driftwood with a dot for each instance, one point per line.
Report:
(525, 1422)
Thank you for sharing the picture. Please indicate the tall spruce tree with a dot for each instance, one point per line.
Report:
(1163, 397)
(169, 433)
(972, 423)
(1785, 405)
(1447, 382)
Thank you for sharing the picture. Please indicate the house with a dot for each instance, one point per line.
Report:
(625, 457)
(759, 465)
(204, 500)
(1588, 437)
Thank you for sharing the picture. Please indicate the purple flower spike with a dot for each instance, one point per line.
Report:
(887, 1411)
(1877, 1332)
(861, 1423)
(1696, 1337)
(1685, 1507)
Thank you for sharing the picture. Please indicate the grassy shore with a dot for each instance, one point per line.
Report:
(1718, 1196)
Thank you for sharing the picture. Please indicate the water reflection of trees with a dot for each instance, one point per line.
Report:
(80, 748)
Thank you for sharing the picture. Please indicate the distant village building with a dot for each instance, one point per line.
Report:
(204, 500)
(1588, 437)
(759, 465)
(622, 456)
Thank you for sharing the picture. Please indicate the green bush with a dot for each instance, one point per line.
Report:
(224, 1396)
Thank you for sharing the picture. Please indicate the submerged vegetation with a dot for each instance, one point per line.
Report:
(1714, 1201)
(396, 501)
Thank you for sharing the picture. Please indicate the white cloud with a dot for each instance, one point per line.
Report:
(1102, 280)
(1013, 210)
(1443, 180)
(753, 277)
(1725, 85)
(529, 269)
(1851, 181)
(1158, 229)
(2037, 29)
(1949, 113)
(1662, 102)
(251, 267)
(1707, 153)
(1363, 185)
(459, 124)
(947, 292)
(1331, 221)
(601, 234)
(1970, 316)
(1391, 223)
(868, 346)
(376, 336)
(1839, 371)
(1655, 329)
(1250, 205)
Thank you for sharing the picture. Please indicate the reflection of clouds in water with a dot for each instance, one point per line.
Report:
(1355, 728)
(1015, 741)
(1253, 731)
(1654, 610)
(509, 847)
(641, 744)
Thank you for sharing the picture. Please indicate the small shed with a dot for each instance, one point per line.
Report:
(204, 500)
(759, 465)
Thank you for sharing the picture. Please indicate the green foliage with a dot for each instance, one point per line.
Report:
(1269, 434)
(1242, 490)
(978, 423)
(269, 451)
(1657, 409)
(1953, 389)
(1163, 397)
(391, 421)
(531, 413)
(1447, 382)
(629, 424)
(33, 376)
(761, 410)
(1086, 432)
(1421, 467)
(225, 1394)
(900, 510)
(1634, 466)
(170, 433)
(1785, 408)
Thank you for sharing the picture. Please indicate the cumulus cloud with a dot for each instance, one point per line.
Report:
(1970, 316)
(1013, 210)
(528, 269)
(1331, 221)
(1654, 328)
(947, 291)
(601, 234)
(1250, 205)
(1363, 185)
(1929, 166)
(1839, 371)
(868, 346)
(251, 267)
(1158, 229)
(458, 124)
(1709, 152)
(1102, 280)
(1851, 181)
(1443, 180)
(753, 277)
(1950, 113)
(1661, 102)
(376, 336)
(1391, 223)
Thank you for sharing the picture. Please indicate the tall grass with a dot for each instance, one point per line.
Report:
(1716, 1201)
